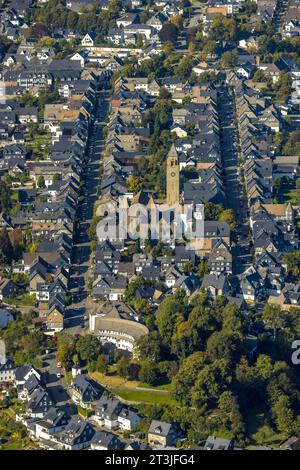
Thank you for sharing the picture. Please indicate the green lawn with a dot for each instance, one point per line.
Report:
(69, 377)
(12, 445)
(129, 389)
(166, 386)
(141, 396)
(39, 145)
(84, 412)
(22, 300)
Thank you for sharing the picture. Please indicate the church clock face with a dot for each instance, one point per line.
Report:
(173, 174)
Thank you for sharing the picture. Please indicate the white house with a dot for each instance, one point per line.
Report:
(81, 57)
(89, 39)
(128, 420)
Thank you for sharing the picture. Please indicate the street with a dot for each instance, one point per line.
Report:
(233, 187)
(76, 313)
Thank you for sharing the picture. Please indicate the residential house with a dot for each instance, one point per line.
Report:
(77, 435)
(107, 412)
(53, 422)
(103, 440)
(163, 434)
(83, 392)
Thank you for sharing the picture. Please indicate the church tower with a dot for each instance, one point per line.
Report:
(172, 177)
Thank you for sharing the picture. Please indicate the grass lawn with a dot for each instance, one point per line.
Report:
(68, 377)
(15, 196)
(39, 145)
(84, 412)
(127, 389)
(163, 386)
(140, 396)
(25, 300)
(12, 445)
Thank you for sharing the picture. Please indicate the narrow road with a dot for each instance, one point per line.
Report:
(76, 314)
(233, 187)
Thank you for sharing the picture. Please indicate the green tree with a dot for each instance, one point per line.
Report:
(169, 315)
(184, 340)
(40, 182)
(185, 67)
(229, 59)
(6, 248)
(123, 367)
(228, 216)
(211, 382)
(273, 318)
(149, 347)
(88, 347)
(5, 197)
(65, 349)
(184, 380)
(168, 33)
(284, 87)
(212, 211)
(223, 29)
(148, 372)
(283, 415)
(101, 364)
(225, 345)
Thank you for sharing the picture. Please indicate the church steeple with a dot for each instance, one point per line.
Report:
(172, 177)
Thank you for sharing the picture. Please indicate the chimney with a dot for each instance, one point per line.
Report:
(257, 60)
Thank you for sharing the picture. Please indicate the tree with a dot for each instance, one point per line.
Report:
(208, 77)
(168, 33)
(177, 20)
(101, 364)
(169, 314)
(228, 216)
(260, 76)
(203, 267)
(283, 415)
(185, 378)
(134, 183)
(149, 347)
(229, 59)
(231, 416)
(5, 194)
(188, 267)
(123, 367)
(284, 87)
(184, 68)
(212, 211)
(273, 317)
(232, 319)
(292, 260)
(6, 248)
(65, 349)
(88, 348)
(225, 345)
(211, 382)
(40, 182)
(148, 372)
(292, 146)
(223, 29)
(184, 341)
(209, 48)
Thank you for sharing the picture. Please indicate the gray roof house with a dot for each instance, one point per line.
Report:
(163, 434)
(105, 441)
